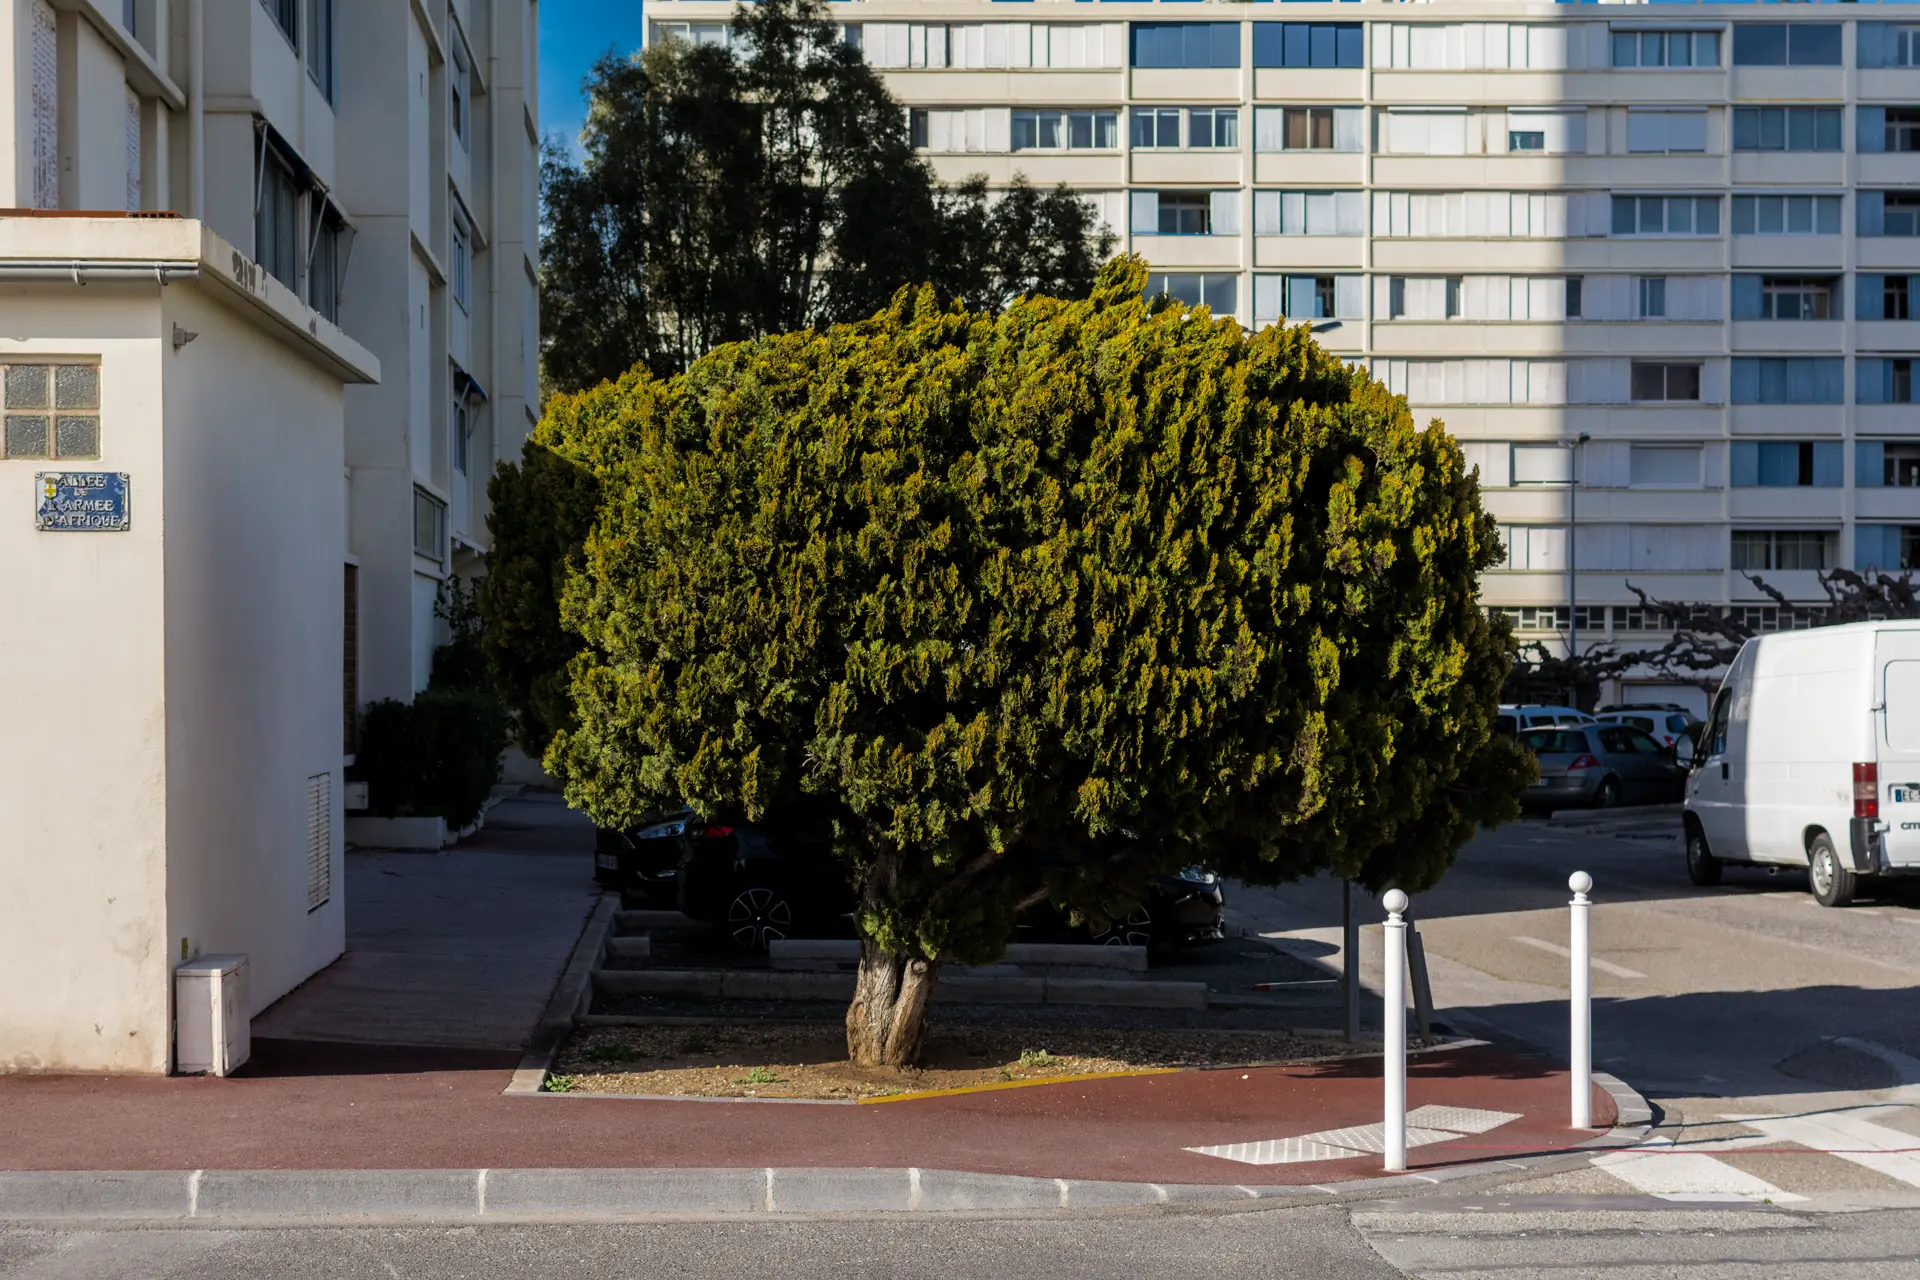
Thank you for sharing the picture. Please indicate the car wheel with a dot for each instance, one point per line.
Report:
(1608, 796)
(1132, 929)
(1833, 884)
(1702, 867)
(757, 916)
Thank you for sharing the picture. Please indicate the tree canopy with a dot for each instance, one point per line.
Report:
(770, 185)
(1032, 604)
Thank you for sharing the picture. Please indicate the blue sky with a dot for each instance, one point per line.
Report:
(573, 33)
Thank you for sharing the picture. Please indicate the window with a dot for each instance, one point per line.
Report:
(458, 83)
(1661, 130)
(1526, 140)
(1156, 127)
(1900, 465)
(459, 255)
(1475, 46)
(1788, 379)
(320, 45)
(1899, 128)
(1785, 297)
(52, 411)
(1546, 131)
(1883, 44)
(286, 16)
(1411, 132)
(429, 525)
(1759, 549)
(1885, 297)
(1309, 213)
(1308, 44)
(1573, 297)
(1298, 298)
(1666, 215)
(1663, 466)
(276, 224)
(1055, 130)
(1184, 213)
(1213, 127)
(1309, 129)
(323, 274)
(1785, 464)
(1889, 213)
(1423, 298)
(969, 129)
(461, 425)
(1542, 464)
(1786, 44)
(707, 33)
(1786, 128)
(1786, 215)
(1666, 49)
(1884, 380)
(1216, 292)
(981, 45)
(1187, 44)
(1652, 381)
(1886, 547)
(1652, 301)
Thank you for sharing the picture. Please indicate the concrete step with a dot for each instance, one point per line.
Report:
(635, 946)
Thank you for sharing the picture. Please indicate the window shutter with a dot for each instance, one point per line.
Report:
(1873, 44)
(1225, 211)
(1349, 128)
(1872, 216)
(1828, 464)
(1745, 455)
(1746, 297)
(46, 107)
(1266, 299)
(1146, 213)
(1870, 128)
(1646, 130)
(1870, 296)
(1300, 298)
(1266, 215)
(1869, 463)
(1350, 213)
(133, 150)
(1349, 297)
(1269, 131)
(1829, 381)
(999, 129)
(1871, 543)
(319, 840)
(1869, 381)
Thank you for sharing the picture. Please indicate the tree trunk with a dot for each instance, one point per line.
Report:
(889, 1009)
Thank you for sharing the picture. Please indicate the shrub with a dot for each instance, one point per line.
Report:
(438, 756)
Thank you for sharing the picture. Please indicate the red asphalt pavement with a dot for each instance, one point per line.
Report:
(302, 1105)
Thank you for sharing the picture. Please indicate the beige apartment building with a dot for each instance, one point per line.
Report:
(268, 276)
(1654, 264)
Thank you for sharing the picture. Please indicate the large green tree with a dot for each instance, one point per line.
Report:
(771, 185)
(1033, 604)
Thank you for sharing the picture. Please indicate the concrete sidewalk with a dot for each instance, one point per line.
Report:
(456, 949)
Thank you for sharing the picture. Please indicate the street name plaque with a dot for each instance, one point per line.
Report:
(82, 502)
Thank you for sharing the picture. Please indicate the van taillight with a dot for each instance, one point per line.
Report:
(1866, 790)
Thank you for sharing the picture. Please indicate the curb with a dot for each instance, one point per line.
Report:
(759, 984)
(570, 999)
(1598, 817)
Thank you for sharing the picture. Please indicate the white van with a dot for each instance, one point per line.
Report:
(1811, 758)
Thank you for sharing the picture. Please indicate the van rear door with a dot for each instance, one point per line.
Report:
(1897, 666)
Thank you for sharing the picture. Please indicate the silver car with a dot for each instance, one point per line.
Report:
(1601, 765)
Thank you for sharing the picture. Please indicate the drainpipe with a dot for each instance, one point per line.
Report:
(196, 111)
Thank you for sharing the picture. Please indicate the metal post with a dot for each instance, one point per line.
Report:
(1350, 960)
(1580, 945)
(1394, 999)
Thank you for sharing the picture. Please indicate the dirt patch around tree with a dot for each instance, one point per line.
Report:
(775, 1060)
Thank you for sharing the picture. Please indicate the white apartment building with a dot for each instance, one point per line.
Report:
(268, 283)
(1668, 253)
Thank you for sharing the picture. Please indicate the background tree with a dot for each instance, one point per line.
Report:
(773, 186)
(1033, 605)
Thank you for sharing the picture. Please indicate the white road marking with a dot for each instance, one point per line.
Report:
(1604, 966)
(1425, 1125)
(1850, 1135)
(1689, 1176)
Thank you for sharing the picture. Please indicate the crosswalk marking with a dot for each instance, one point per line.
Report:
(1425, 1125)
(1604, 966)
(1658, 1170)
(1850, 1135)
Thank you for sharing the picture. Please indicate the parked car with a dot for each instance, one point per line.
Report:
(1811, 758)
(641, 861)
(762, 882)
(1601, 765)
(1667, 723)
(1514, 717)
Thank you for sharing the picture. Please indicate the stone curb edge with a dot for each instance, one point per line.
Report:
(569, 1000)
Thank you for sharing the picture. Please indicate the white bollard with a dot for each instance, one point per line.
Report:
(1581, 946)
(1393, 981)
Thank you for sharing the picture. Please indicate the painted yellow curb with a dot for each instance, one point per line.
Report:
(1020, 1084)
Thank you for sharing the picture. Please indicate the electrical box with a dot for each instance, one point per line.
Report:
(213, 1033)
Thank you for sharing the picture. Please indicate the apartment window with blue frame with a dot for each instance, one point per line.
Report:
(1888, 44)
(1216, 291)
(1887, 547)
(1186, 44)
(1888, 213)
(1764, 297)
(1788, 379)
(1786, 44)
(1891, 464)
(1885, 297)
(1308, 44)
(1186, 213)
(1883, 380)
(1785, 215)
(1666, 215)
(1786, 464)
(1156, 127)
(1681, 50)
(1062, 130)
(1786, 128)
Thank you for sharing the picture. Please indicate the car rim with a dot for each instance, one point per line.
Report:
(1822, 872)
(1135, 931)
(1609, 794)
(1697, 852)
(757, 917)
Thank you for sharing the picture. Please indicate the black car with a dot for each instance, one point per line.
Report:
(761, 883)
(641, 861)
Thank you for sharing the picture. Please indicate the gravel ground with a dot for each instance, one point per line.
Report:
(808, 1060)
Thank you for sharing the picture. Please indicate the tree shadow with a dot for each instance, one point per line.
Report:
(292, 1059)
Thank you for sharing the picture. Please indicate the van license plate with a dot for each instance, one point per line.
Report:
(1905, 793)
(607, 861)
